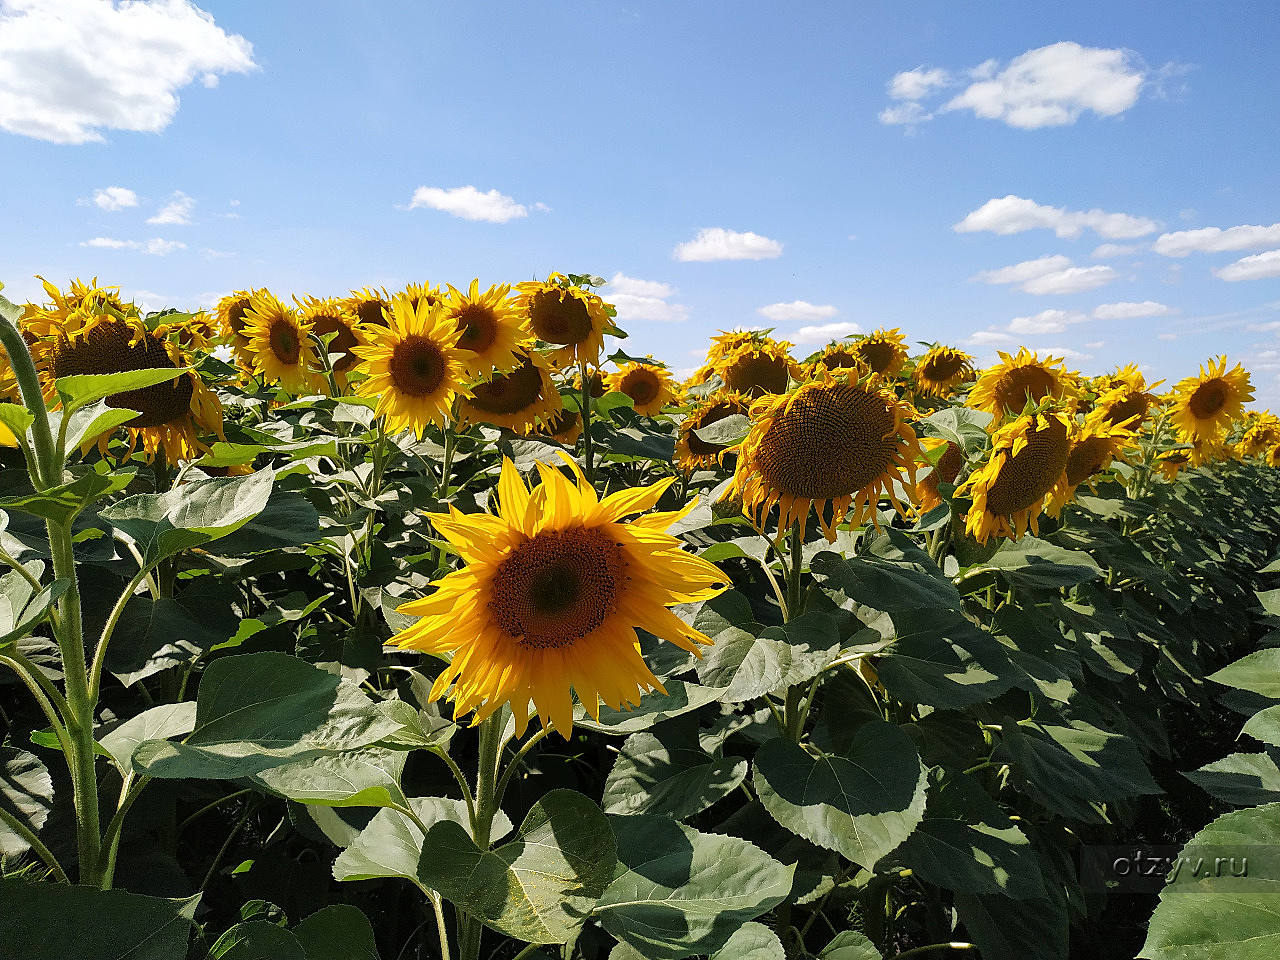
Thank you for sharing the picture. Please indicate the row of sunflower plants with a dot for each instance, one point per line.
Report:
(411, 625)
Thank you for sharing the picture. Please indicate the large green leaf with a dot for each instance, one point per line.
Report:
(1007, 929)
(1031, 562)
(369, 777)
(257, 940)
(942, 659)
(862, 803)
(1259, 672)
(849, 945)
(902, 581)
(62, 503)
(98, 924)
(154, 635)
(83, 389)
(21, 607)
(88, 423)
(752, 941)
(164, 722)
(678, 892)
(260, 710)
(26, 792)
(681, 697)
(669, 772)
(1241, 779)
(539, 886)
(337, 932)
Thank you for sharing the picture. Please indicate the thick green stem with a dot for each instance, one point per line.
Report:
(469, 928)
(588, 461)
(793, 711)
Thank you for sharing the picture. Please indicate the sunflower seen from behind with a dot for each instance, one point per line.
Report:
(231, 318)
(521, 399)
(649, 386)
(572, 320)
(493, 328)
(1017, 380)
(414, 368)
(564, 426)
(555, 585)
(1203, 407)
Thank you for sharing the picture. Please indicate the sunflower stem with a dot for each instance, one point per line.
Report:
(469, 928)
(588, 462)
(793, 709)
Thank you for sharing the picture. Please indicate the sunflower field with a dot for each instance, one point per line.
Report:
(431, 624)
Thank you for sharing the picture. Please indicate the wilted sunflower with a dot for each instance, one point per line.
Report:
(231, 318)
(414, 366)
(1204, 406)
(944, 471)
(280, 346)
(1028, 465)
(520, 399)
(564, 426)
(331, 317)
(69, 310)
(1097, 443)
(834, 442)
(694, 453)
(649, 386)
(1006, 387)
(555, 586)
(192, 331)
(941, 370)
(569, 318)
(493, 328)
(758, 367)
(882, 352)
(369, 306)
(173, 416)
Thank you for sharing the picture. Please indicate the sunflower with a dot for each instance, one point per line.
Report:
(172, 416)
(1097, 443)
(1261, 435)
(420, 292)
(941, 370)
(836, 356)
(1173, 463)
(1204, 406)
(193, 331)
(370, 306)
(9, 393)
(493, 329)
(520, 399)
(649, 386)
(555, 586)
(1028, 465)
(414, 366)
(1007, 387)
(834, 441)
(1273, 456)
(759, 367)
(1208, 451)
(231, 313)
(71, 309)
(596, 380)
(694, 453)
(569, 318)
(945, 470)
(564, 426)
(280, 346)
(882, 352)
(331, 317)
(1126, 405)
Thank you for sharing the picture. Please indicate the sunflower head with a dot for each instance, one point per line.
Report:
(493, 328)
(757, 368)
(414, 366)
(564, 426)
(649, 386)
(280, 347)
(1260, 435)
(232, 321)
(1096, 445)
(553, 589)
(1009, 386)
(521, 399)
(1273, 456)
(330, 317)
(1203, 407)
(945, 470)
(572, 320)
(839, 355)
(882, 352)
(941, 370)
(694, 453)
(1173, 463)
(419, 293)
(1125, 405)
(836, 444)
(369, 306)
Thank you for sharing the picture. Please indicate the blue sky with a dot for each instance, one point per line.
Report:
(989, 175)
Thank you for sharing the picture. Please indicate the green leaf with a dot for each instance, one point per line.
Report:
(259, 710)
(103, 924)
(679, 892)
(1037, 563)
(681, 697)
(26, 792)
(909, 584)
(752, 941)
(257, 940)
(1259, 672)
(369, 777)
(62, 503)
(1240, 779)
(726, 431)
(849, 945)
(191, 514)
(88, 423)
(20, 612)
(965, 428)
(1265, 726)
(1221, 917)
(943, 660)
(538, 887)
(337, 932)
(159, 723)
(1007, 929)
(15, 417)
(669, 773)
(862, 803)
(158, 634)
(78, 391)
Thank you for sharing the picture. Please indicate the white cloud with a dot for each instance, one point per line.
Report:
(115, 198)
(1066, 353)
(717, 243)
(1264, 327)
(906, 113)
(1014, 214)
(986, 337)
(177, 212)
(1257, 267)
(1131, 311)
(1106, 251)
(1180, 243)
(824, 333)
(1046, 321)
(468, 203)
(156, 246)
(918, 83)
(1095, 345)
(796, 311)
(72, 68)
(644, 300)
(1026, 270)
(1166, 336)
(1070, 280)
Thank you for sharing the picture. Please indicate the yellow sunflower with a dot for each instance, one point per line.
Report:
(571, 319)
(1028, 464)
(423, 292)
(836, 356)
(1209, 450)
(882, 352)
(1173, 463)
(649, 386)
(555, 586)
(520, 399)
(231, 312)
(1009, 385)
(834, 442)
(564, 426)
(415, 368)
(174, 416)
(1127, 405)
(195, 331)
(1261, 435)
(370, 306)
(1204, 406)
(944, 471)
(327, 317)
(1273, 456)
(694, 453)
(280, 346)
(758, 367)
(9, 393)
(941, 370)
(493, 328)
(71, 309)
(1097, 443)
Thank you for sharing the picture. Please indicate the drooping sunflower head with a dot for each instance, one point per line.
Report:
(493, 328)
(553, 589)
(694, 453)
(839, 355)
(941, 370)
(330, 317)
(882, 352)
(1096, 445)
(1125, 405)
(369, 305)
(836, 444)
(1172, 463)
(1204, 406)
(521, 399)
(1273, 456)
(723, 344)
(570, 319)
(564, 426)
(1261, 435)
(649, 386)
(231, 313)
(69, 311)
(1028, 463)
(415, 368)
(945, 470)
(280, 347)
(759, 367)
(1010, 385)
(194, 331)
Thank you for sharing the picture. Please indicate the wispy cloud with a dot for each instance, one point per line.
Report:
(644, 300)
(825, 332)
(797, 311)
(1181, 243)
(156, 246)
(1050, 275)
(1257, 267)
(177, 212)
(1129, 310)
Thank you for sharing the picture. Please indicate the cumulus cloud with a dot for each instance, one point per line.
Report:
(1014, 214)
(1026, 270)
(468, 203)
(906, 114)
(114, 198)
(717, 243)
(177, 212)
(1180, 243)
(918, 83)
(644, 300)
(1129, 310)
(1050, 275)
(1046, 321)
(1257, 267)
(156, 246)
(72, 68)
(796, 311)
(825, 332)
